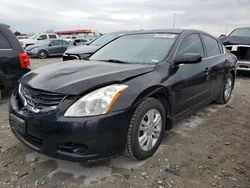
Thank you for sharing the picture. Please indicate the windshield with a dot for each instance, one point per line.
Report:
(104, 39)
(138, 48)
(243, 32)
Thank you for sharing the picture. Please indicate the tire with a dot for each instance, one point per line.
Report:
(42, 54)
(153, 131)
(225, 96)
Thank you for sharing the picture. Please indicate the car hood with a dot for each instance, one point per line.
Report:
(76, 77)
(234, 40)
(82, 49)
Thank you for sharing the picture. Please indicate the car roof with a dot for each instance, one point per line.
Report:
(176, 31)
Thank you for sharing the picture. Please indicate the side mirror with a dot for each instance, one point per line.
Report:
(188, 58)
(50, 44)
(39, 38)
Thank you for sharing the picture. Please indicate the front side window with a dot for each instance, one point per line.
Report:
(191, 44)
(42, 37)
(211, 45)
(56, 43)
(4, 44)
(137, 49)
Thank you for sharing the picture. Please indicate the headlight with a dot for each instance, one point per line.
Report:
(97, 102)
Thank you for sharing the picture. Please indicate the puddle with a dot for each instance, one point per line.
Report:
(92, 172)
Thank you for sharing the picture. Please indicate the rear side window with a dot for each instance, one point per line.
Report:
(65, 43)
(4, 44)
(56, 43)
(211, 45)
(221, 48)
(191, 44)
(52, 36)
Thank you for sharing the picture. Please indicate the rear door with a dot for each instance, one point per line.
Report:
(215, 60)
(191, 84)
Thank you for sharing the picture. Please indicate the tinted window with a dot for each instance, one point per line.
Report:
(4, 44)
(43, 37)
(52, 36)
(221, 48)
(137, 48)
(211, 46)
(56, 43)
(191, 44)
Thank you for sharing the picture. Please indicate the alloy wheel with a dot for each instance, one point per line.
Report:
(150, 129)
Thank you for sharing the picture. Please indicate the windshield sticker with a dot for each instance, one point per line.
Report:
(234, 48)
(170, 36)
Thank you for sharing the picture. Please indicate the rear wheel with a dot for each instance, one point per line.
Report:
(42, 54)
(226, 92)
(146, 129)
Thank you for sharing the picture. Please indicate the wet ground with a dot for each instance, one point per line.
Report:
(211, 148)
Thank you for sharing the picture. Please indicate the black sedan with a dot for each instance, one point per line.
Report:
(49, 48)
(124, 97)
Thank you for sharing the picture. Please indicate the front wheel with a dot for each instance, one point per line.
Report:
(226, 91)
(146, 129)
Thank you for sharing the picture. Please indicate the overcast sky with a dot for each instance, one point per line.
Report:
(214, 16)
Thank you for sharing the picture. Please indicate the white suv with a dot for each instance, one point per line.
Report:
(36, 38)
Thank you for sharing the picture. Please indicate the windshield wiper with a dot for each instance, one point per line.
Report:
(115, 61)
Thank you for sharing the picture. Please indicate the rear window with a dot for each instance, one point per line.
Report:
(52, 36)
(4, 44)
(211, 45)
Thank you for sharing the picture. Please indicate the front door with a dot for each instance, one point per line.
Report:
(191, 81)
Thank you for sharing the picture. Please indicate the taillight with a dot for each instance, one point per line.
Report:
(24, 60)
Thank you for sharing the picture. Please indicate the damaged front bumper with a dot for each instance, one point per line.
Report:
(242, 52)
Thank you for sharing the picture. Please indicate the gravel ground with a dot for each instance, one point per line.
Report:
(208, 149)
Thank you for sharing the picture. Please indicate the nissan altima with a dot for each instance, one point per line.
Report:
(124, 97)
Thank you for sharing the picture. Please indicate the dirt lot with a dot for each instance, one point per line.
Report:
(211, 148)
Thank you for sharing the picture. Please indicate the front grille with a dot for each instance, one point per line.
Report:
(39, 100)
(241, 52)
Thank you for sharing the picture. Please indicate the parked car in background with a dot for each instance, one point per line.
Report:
(84, 51)
(238, 43)
(14, 62)
(37, 38)
(78, 42)
(123, 97)
(70, 38)
(54, 47)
